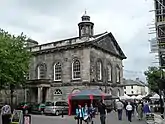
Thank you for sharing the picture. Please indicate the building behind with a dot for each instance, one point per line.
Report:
(135, 87)
(88, 61)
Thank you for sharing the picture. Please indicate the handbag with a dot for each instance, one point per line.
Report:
(76, 117)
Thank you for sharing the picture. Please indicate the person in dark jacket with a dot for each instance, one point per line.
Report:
(102, 111)
(92, 113)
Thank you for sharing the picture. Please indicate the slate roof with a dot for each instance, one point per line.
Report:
(129, 82)
(104, 41)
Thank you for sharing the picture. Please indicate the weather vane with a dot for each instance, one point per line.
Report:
(85, 11)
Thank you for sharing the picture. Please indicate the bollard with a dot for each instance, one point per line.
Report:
(62, 114)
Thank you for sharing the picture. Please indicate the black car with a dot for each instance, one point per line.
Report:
(38, 108)
(25, 107)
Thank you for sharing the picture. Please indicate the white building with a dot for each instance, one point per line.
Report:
(135, 87)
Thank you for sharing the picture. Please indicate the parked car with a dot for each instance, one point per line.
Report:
(56, 108)
(25, 107)
(38, 108)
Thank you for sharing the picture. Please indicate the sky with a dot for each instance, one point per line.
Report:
(51, 20)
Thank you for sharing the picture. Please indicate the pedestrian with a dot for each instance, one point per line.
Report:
(92, 113)
(102, 111)
(140, 110)
(86, 113)
(129, 109)
(125, 104)
(6, 114)
(133, 108)
(119, 106)
(79, 114)
(146, 108)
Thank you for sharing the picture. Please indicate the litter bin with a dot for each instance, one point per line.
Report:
(150, 118)
(6, 119)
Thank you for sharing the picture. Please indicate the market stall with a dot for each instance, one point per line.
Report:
(86, 96)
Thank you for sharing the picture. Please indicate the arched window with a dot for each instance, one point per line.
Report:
(58, 92)
(76, 70)
(117, 74)
(75, 91)
(99, 70)
(57, 72)
(109, 72)
(118, 93)
(110, 91)
(41, 71)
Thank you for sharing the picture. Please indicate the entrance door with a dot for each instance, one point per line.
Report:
(44, 94)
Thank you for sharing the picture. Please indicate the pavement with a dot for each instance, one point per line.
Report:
(111, 119)
(158, 119)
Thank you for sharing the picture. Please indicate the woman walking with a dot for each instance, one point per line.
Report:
(79, 114)
(140, 111)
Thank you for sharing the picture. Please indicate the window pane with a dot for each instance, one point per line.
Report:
(99, 70)
(76, 69)
(109, 73)
(117, 74)
(57, 71)
(41, 72)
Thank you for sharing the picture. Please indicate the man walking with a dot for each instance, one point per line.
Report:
(119, 106)
(101, 109)
(129, 109)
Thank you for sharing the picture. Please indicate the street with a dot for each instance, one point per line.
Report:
(111, 119)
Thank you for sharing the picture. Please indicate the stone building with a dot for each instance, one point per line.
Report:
(71, 65)
(135, 87)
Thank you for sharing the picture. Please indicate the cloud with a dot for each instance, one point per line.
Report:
(50, 20)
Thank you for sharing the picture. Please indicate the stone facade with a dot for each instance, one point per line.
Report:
(95, 61)
(88, 58)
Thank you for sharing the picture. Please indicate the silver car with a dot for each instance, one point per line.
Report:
(56, 108)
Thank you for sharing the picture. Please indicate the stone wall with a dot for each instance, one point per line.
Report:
(18, 96)
(66, 58)
(105, 58)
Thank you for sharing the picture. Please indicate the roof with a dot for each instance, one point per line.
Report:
(129, 82)
(104, 41)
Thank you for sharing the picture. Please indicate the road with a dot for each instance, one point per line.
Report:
(111, 119)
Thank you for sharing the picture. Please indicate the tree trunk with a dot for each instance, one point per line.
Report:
(11, 99)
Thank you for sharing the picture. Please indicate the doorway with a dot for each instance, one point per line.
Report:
(44, 94)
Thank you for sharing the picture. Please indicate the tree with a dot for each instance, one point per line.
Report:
(153, 76)
(14, 61)
(156, 82)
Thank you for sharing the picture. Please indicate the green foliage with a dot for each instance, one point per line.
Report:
(14, 60)
(154, 78)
